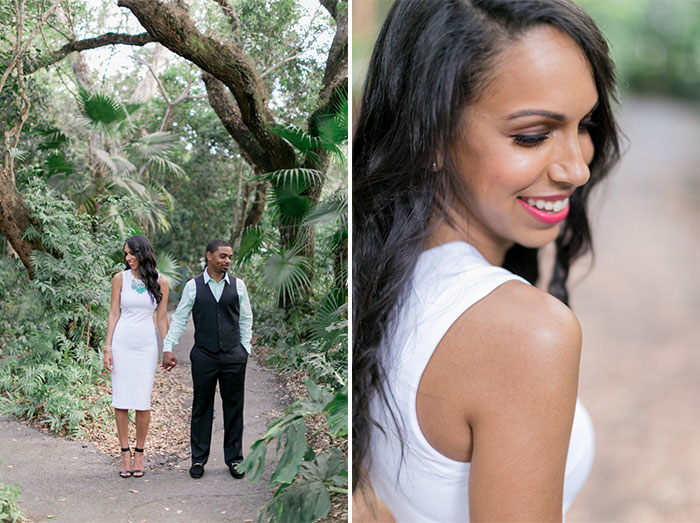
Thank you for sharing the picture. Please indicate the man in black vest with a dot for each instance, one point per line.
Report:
(223, 322)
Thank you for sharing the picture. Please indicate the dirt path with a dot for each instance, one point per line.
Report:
(640, 312)
(73, 481)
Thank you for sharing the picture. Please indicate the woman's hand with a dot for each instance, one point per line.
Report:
(107, 359)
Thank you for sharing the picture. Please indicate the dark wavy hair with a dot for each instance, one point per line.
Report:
(142, 250)
(430, 61)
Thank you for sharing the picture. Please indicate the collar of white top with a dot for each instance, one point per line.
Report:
(207, 277)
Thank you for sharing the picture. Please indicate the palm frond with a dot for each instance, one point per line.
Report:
(334, 208)
(329, 325)
(123, 165)
(18, 155)
(333, 126)
(299, 138)
(169, 267)
(252, 240)
(116, 164)
(166, 166)
(58, 163)
(288, 204)
(53, 138)
(101, 108)
(285, 272)
(295, 177)
(153, 144)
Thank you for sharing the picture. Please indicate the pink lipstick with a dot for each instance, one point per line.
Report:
(547, 209)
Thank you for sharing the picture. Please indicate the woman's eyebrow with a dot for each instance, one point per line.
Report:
(547, 114)
(537, 112)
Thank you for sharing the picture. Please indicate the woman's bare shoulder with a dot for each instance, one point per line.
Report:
(517, 331)
(163, 280)
(523, 318)
(117, 278)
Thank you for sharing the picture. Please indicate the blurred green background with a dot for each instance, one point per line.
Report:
(655, 43)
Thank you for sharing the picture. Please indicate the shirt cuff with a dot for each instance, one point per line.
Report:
(167, 347)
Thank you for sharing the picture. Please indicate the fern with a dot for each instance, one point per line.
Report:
(58, 319)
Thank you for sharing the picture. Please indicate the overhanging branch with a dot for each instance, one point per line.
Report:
(89, 43)
(174, 28)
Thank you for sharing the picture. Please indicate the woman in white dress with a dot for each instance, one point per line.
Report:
(131, 350)
(484, 126)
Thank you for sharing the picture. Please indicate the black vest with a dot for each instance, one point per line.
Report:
(216, 323)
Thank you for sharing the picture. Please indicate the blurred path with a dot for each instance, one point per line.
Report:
(640, 312)
(72, 481)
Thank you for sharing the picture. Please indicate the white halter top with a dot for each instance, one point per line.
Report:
(427, 486)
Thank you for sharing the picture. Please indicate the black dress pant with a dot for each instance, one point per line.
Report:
(228, 368)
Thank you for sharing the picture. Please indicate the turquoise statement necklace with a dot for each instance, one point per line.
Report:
(139, 287)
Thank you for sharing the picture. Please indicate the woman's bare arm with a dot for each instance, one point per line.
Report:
(114, 314)
(505, 377)
(162, 310)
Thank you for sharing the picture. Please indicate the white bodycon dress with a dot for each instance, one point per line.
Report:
(134, 347)
(423, 485)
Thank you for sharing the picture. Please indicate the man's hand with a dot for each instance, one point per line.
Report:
(169, 360)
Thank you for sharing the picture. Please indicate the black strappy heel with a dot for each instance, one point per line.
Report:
(126, 473)
(138, 473)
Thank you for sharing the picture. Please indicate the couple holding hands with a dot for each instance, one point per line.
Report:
(223, 322)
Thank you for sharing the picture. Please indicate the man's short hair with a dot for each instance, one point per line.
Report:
(213, 245)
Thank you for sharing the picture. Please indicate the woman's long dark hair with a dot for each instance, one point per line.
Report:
(432, 59)
(143, 252)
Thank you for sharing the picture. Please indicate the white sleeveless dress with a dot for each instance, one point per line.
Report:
(425, 485)
(134, 347)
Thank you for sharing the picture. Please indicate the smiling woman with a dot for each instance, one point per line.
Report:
(526, 140)
(484, 125)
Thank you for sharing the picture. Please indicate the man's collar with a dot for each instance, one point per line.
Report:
(207, 277)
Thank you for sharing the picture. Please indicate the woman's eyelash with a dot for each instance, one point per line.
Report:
(530, 140)
(588, 124)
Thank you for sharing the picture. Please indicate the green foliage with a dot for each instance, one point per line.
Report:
(286, 271)
(169, 267)
(304, 478)
(100, 108)
(654, 44)
(103, 153)
(56, 321)
(9, 504)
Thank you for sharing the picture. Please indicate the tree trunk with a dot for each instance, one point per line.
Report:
(15, 217)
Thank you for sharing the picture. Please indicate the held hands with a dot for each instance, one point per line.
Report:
(169, 361)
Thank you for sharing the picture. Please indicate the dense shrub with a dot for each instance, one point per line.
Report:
(51, 326)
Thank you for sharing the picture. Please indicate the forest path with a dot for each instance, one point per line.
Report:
(72, 481)
(639, 308)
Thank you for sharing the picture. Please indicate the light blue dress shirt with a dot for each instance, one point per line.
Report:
(178, 322)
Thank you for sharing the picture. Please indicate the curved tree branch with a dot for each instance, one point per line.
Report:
(226, 109)
(230, 13)
(331, 6)
(89, 43)
(337, 62)
(27, 43)
(174, 28)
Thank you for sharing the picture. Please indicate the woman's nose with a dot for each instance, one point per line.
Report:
(570, 165)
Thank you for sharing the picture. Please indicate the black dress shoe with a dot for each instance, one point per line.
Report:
(234, 470)
(197, 470)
